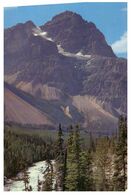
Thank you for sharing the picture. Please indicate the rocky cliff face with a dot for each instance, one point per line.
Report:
(67, 58)
(77, 35)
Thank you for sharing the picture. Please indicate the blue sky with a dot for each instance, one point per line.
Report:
(110, 18)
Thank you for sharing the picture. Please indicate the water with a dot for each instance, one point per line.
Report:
(34, 173)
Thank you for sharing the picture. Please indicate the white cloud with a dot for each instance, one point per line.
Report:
(120, 46)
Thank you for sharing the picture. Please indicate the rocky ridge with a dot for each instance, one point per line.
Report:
(64, 59)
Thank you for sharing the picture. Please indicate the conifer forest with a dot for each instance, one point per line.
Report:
(99, 166)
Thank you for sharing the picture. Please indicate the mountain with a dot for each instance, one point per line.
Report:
(24, 109)
(67, 70)
(75, 35)
(19, 111)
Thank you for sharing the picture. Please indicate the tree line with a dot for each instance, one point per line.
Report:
(21, 150)
(100, 167)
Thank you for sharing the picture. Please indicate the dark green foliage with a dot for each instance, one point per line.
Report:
(48, 177)
(79, 171)
(60, 160)
(71, 182)
(38, 185)
(21, 150)
(59, 150)
(86, 182)
(26, 181)
(120, 175)
(92, 142)
(99, 165)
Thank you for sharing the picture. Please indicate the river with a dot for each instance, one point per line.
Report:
(34, 172)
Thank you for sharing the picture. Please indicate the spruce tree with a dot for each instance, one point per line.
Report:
(48, 173)
(26, 180)
(48, 177)
(73, 159)
(120, 174)
(86, 174)
(79, 176)
(59, 160)
(92, 142)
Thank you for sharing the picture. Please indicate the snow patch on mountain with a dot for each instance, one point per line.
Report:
(38, 32)
(78, 55)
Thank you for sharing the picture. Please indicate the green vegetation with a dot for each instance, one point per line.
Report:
(100, 165)
(103, 160)
(60, 159)
(78, 165)
(23, 148)
(120, 174)
(48, 176)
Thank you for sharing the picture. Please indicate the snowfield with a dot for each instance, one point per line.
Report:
(38, 32)
(78, 55)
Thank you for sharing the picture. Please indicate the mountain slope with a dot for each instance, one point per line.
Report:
(54, 109)
(101, 77)
(64, 62)
(19, 111)
(24, 109)
(95, 116)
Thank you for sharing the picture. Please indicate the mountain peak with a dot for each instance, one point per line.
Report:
(75, 35)
(66, 14)
(69, 17)
(29, 23)
(19, 26)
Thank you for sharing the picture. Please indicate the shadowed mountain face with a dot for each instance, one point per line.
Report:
(68, 65)
(77, 35)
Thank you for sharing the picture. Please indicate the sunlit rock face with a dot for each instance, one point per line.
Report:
(62, 66)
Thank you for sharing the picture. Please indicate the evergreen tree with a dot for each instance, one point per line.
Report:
(73, 157)
(26, 181)
(48, 177)
(48, 174)
(38, 184)
(92, 143)
(22, 148)
(59, 160)
(86, 174)
(120, 175)
(30, 188)
(102, 163)
(59, 144)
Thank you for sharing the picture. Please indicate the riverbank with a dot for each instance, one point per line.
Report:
(34, 172)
